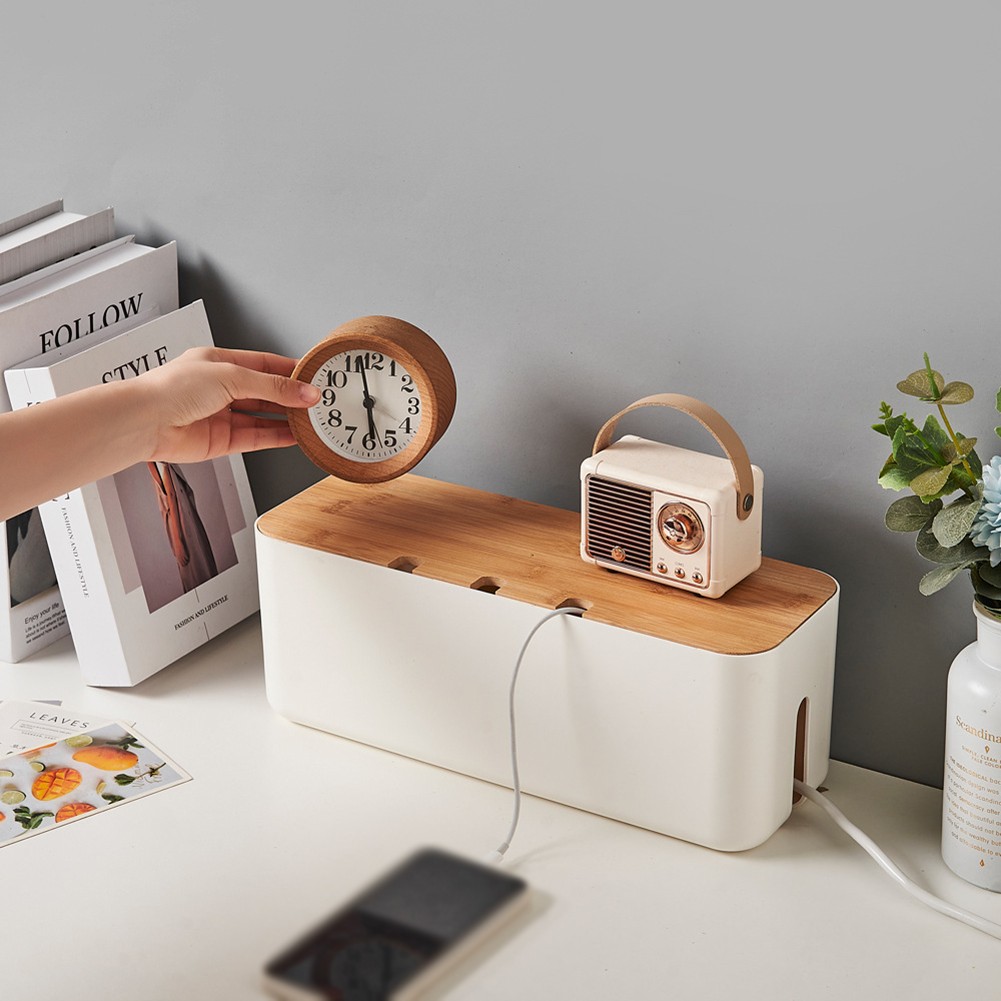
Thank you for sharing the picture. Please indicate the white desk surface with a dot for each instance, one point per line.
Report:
(181, 896)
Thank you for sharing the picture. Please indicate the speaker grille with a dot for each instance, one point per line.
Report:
(619, 518)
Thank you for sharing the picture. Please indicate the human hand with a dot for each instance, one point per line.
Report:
(208, 402)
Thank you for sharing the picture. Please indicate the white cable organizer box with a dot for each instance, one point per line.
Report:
(393, 614)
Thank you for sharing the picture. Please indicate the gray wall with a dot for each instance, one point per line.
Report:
(773, 207)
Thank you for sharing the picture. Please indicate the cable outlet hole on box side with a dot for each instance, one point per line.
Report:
(406, 564)
(799, 760)
(580, 603)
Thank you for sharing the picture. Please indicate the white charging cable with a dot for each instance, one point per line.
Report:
(498, 853)
(815, 796)
(890, 867)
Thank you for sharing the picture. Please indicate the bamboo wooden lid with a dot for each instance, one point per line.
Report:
(531, 553)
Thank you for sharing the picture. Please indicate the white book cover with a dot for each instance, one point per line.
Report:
(53, 238)
(68, 303)
(156, 560)
(13, 291)
(32, 215)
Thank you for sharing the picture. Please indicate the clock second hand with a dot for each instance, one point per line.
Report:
(369, 404)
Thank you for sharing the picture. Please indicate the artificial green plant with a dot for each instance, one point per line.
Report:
(958, 527)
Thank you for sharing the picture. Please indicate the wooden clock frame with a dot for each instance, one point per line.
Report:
(412, 348)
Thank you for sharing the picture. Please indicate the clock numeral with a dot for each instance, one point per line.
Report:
(414, 405)
(337, 379)
(369, 442)
(408, 384)
(329, 397)
(334, 418)
(405, 426)
(389, 438)
(369, 361)
(352, 428)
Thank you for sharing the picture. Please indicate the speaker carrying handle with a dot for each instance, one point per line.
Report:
(713, 422)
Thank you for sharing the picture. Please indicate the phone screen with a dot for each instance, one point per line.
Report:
(396, 929)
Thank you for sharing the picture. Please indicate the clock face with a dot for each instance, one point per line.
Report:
(370, 405)
(387, 394)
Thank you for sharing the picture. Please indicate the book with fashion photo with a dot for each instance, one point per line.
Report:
(159, 558)
(87, 295)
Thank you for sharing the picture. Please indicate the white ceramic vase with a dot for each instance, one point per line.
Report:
(971, 801)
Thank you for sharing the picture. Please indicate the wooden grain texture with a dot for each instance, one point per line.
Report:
(531, 552)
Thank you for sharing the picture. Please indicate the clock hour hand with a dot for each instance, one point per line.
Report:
(369, 404)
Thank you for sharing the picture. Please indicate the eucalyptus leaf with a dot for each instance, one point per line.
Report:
(934, 434)
(912, 453)
(953, 454)
(962, 480)
(962, 553)
(985, 583)
(910, 514)
(916, 384)
(931, 481)
(956, 392)
(953, 523)
(893, 422)
(936, 579)
(997, 402)
(892, 477)
(975, 464)
(958, 480)
(992, 575)
(985, 589)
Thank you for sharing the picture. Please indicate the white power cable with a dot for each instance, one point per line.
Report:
(498, 853)
(890, 867)
(815, 796)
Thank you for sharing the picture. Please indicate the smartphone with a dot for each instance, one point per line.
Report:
(396, 938)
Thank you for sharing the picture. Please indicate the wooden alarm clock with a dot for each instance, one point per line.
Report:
(387, 394)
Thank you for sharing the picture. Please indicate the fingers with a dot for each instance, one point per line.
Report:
(265, 390)
(257, 407)
(258, 361)
(251, 434)
(256, 380)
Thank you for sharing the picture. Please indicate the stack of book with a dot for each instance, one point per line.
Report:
(144, 566)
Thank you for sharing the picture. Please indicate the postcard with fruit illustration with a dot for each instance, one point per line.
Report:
(78, 776)
(24, 725)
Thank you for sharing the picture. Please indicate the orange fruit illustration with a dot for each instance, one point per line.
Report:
(111, 759)
(3, 817)
(55, 782)
(69, 810)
